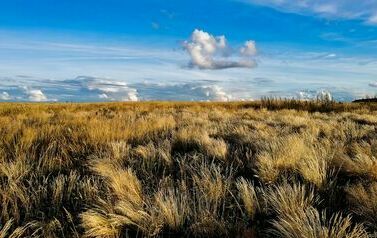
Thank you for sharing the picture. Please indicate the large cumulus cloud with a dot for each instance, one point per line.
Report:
(213, 52)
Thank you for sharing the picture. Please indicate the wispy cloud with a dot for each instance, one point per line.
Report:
(167, 13)
(364, 10)
(372, 19)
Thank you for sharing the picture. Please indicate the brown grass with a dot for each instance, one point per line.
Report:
(270, 168)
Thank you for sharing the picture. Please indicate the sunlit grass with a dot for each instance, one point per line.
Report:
(280, 168)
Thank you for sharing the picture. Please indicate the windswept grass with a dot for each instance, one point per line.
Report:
(269, 168)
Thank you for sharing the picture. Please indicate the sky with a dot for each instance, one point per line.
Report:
(214, 50)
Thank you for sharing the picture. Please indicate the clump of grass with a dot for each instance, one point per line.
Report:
(295, 154)
(124, 183)
(194, 139)
(363, 202)
(248, 197)
(359, 164)
(172, 208)
(314, 165)
(13, 194)
(311, 223)
(97, 224)
(5, 228)
(120, 150)
(297, 216)
(287, 199)
(129, 208)
(154, 154)
(280, 157)
(21, 231)
(211, 184)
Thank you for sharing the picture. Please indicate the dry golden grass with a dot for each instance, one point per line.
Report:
(311, 223)
(270, 168)
(248, 197)
(172, 208)
(363, 199)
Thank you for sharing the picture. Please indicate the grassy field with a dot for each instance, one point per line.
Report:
(270, 168)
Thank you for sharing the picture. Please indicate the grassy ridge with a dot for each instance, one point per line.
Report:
(277, 168)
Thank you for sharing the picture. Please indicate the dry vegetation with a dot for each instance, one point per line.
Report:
(272, 168)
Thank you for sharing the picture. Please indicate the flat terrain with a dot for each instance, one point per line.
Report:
(259, 169)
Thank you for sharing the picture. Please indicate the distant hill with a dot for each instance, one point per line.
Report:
(366, 100)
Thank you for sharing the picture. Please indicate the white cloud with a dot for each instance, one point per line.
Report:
(108, 89)
(194, 91)
(103, 96)
(94, 89)
(131, 96)
(35, 95)
(214, 93)
(361, 9)
(330, 56)
(373, 84)
(5, 96)
(249, 49)
(304, 95)
(322, 95)
(211, 52)
(326, 9)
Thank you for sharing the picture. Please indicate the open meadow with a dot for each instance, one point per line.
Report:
(270, 168)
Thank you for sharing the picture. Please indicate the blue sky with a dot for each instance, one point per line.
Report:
(219, 50)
